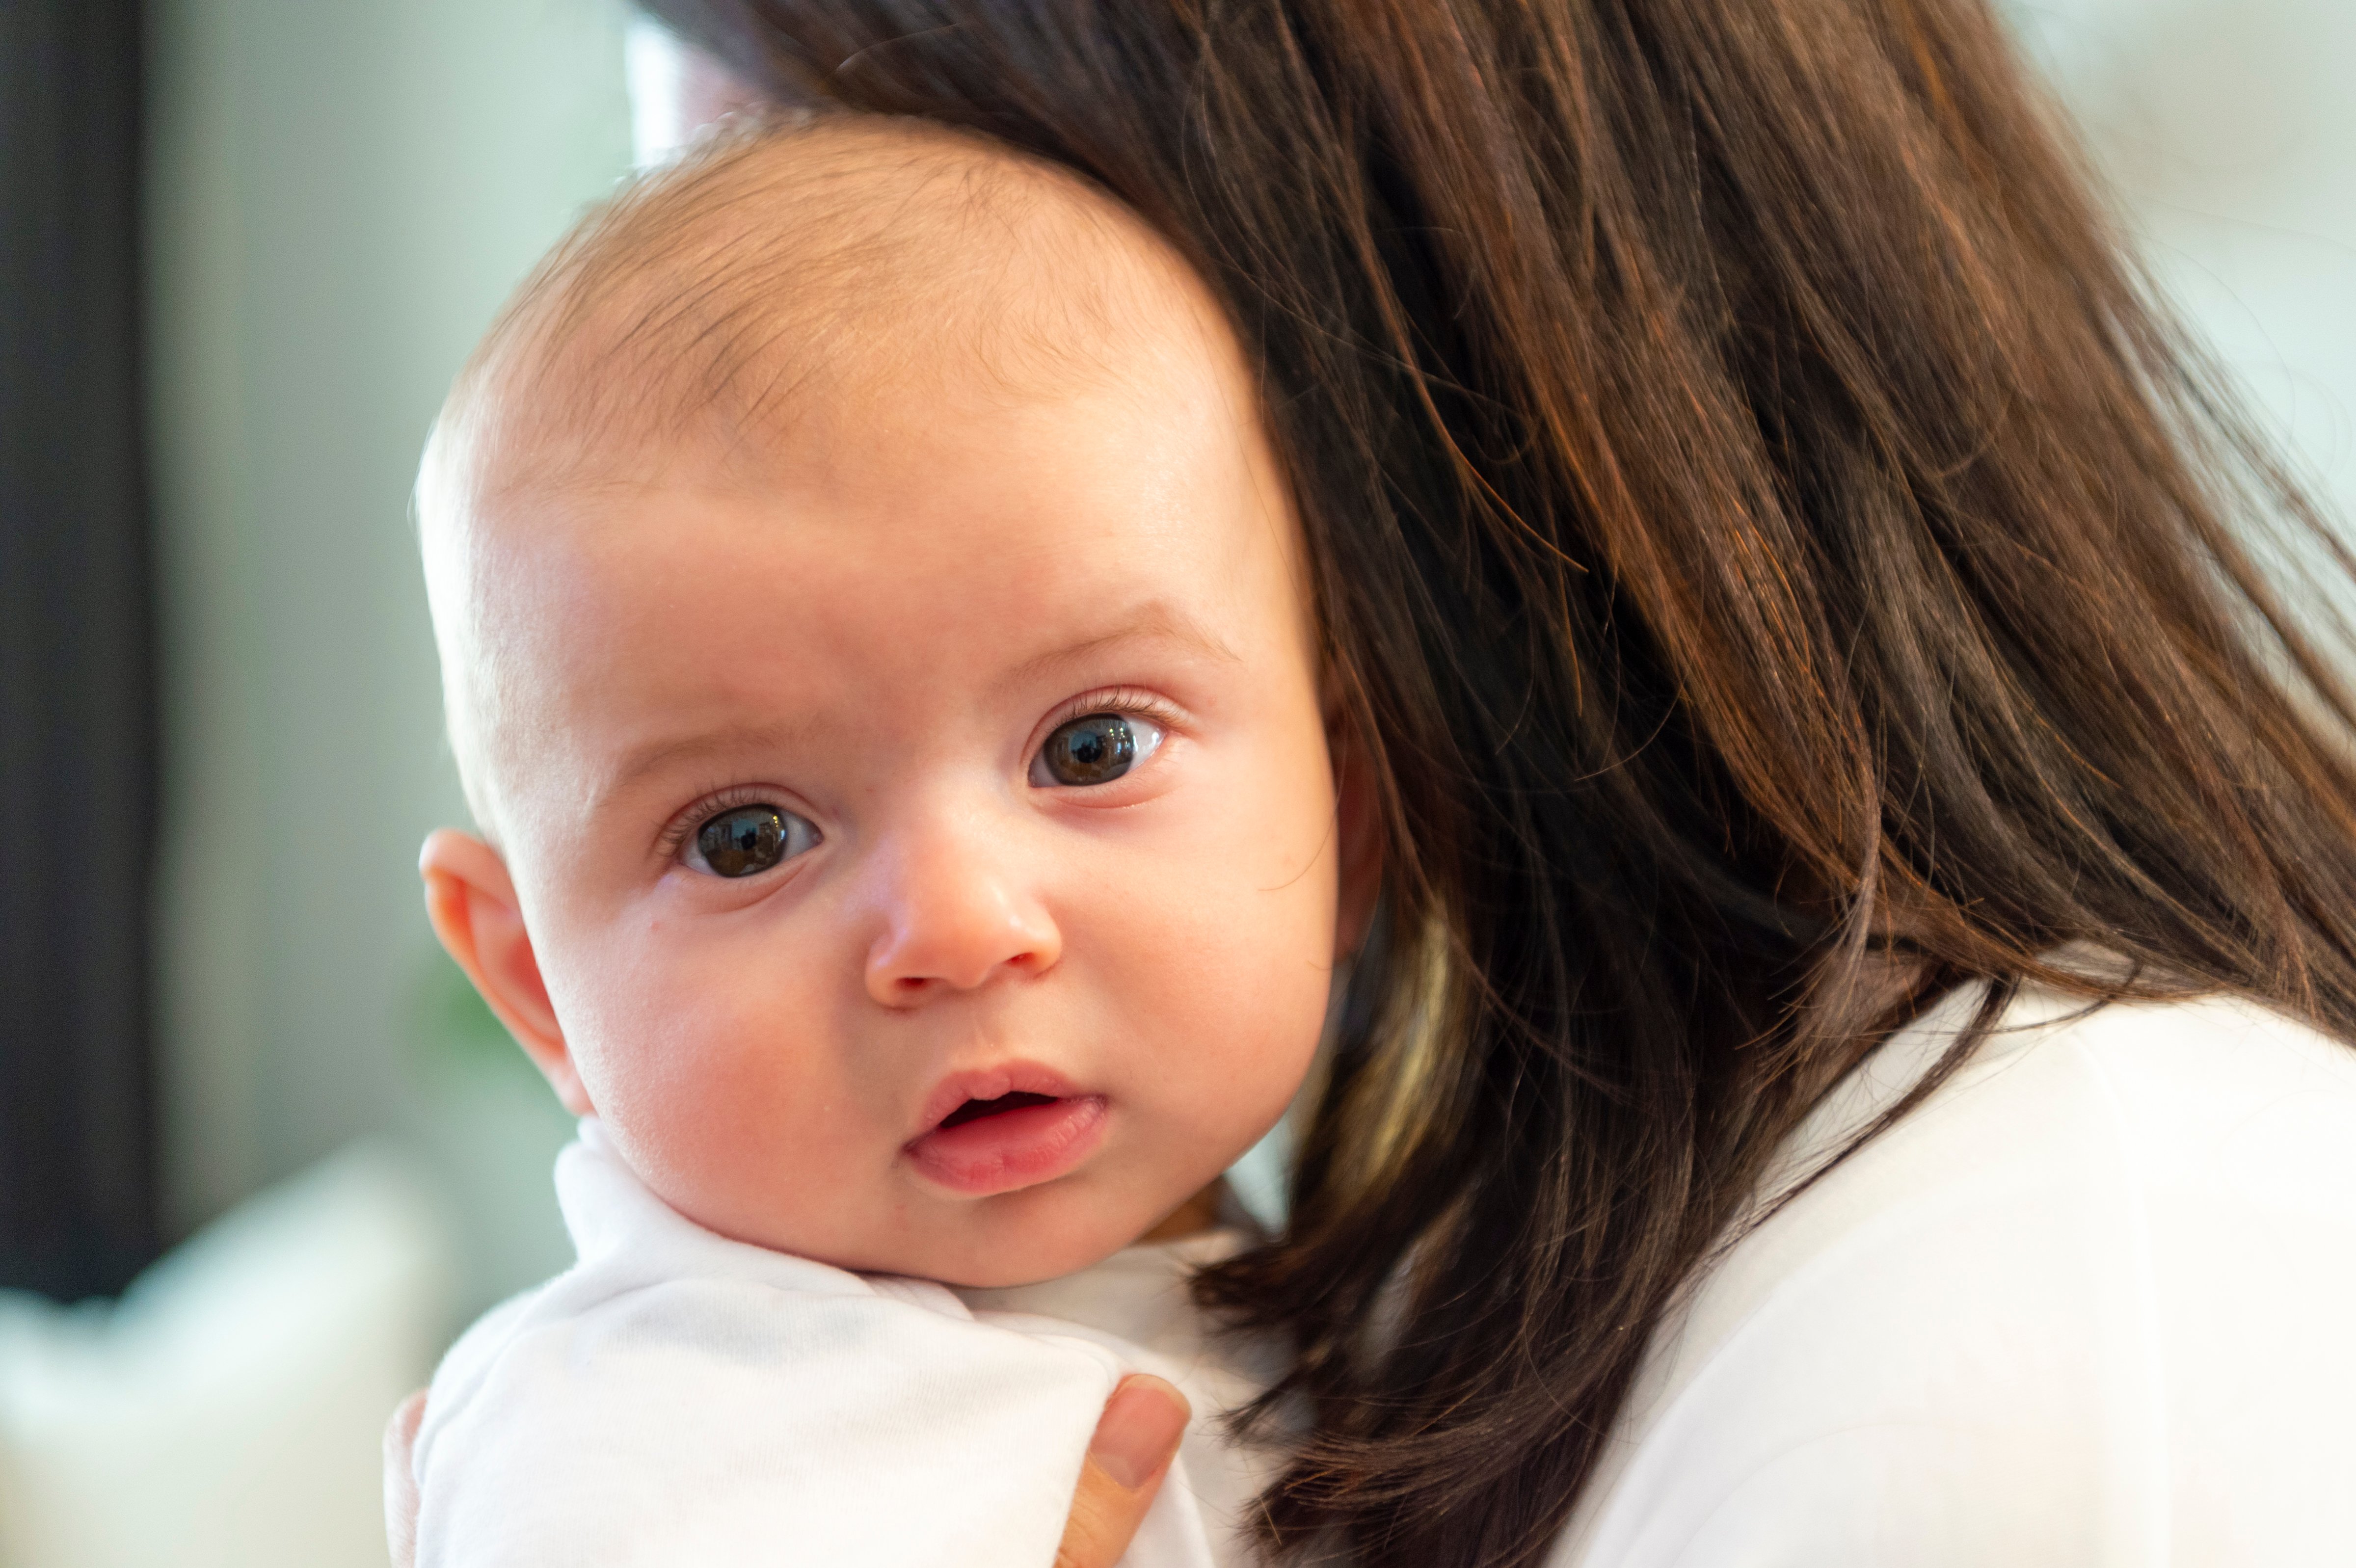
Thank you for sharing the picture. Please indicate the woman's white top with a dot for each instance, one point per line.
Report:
(679, 1398)
(2092, 1304)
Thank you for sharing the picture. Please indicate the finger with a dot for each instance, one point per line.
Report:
(1134, 1442)
(400, 1480)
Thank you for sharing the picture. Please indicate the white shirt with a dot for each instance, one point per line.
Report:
(2092, 1304)
(679, 1398)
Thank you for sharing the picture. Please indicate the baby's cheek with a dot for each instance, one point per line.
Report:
(727, 1106)
(1243, 1001)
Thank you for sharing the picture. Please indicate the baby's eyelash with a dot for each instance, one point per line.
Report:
(707, 807)
(1116, 699)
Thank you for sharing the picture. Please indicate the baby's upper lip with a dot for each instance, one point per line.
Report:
(989, 1083)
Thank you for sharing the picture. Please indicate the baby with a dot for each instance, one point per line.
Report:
(881, 660)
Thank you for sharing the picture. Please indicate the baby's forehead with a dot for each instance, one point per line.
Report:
(777, 268)
(778, 275)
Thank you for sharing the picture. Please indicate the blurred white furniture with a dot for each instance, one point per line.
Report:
(227, 1410)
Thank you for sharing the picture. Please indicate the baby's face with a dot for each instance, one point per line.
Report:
(929, 848)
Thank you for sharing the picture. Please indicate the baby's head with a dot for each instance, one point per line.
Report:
(881, 659)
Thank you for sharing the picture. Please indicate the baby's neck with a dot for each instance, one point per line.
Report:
(1192, 1218)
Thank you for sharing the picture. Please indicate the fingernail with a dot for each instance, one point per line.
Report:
(1139, 1431)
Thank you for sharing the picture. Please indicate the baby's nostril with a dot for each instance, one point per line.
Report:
(974, 1110)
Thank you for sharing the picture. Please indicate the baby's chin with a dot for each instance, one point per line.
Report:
(996, 1253)
(993, 1244)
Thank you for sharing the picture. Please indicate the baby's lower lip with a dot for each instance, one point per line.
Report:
(1012, 1149)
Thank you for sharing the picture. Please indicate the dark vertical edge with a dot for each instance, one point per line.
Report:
(78, 789)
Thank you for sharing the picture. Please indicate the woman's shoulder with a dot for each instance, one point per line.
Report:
(2081, 1304)
(2201, 1067)
(2086, 1098)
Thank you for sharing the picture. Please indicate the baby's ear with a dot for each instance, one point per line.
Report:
(471, 900)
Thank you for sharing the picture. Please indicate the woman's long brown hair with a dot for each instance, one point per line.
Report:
(1780, 564)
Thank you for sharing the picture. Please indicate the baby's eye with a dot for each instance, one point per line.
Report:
(1094, 749)
(747, 840)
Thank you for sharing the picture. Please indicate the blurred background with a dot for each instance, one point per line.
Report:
(247, 243)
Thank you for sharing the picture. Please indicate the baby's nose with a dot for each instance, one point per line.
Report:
(958, 914)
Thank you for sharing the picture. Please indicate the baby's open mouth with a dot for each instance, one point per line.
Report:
(996, 1136)
(975, 1109)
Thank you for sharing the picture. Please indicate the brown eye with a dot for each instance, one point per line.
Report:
(1094, 749)
(751, 839)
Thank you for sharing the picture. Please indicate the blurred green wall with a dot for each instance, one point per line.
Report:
(342, 193)
(2228, 128)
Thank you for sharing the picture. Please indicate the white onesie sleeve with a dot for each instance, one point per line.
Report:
(679, 1398)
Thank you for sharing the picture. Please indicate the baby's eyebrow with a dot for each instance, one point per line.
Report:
(642, 762)
(1157, 620)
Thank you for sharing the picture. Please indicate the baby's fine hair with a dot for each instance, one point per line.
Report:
(782, 252)
(712, 300)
